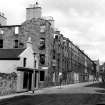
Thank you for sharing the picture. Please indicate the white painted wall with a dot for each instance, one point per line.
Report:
(8, 66)
(28, 54)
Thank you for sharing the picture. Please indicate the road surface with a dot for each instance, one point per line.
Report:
(84, 94)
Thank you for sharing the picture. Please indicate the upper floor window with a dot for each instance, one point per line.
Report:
(42, 58)
(42, 43)
(1, 43)
(53, 54)
(16, 30)
(56, 37)
(15, 43)
(1, 32)
(42, 29)
(21, 45)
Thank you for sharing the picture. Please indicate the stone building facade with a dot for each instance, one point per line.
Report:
(56, 53)
(72, 62)
(41, 32)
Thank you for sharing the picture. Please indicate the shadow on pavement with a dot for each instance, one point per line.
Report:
(97, 85)
(100, 91)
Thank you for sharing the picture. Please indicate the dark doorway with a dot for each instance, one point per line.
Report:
(30, 80)
(35, 80)
(27, 80)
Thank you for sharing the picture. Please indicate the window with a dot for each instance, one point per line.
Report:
(1, 43)
(42, 29)
(42, 43)
(53, 54)
(56, 37)
(1, 32)
(24, 62)
(42, 58)
(16, 30)
(42, 75)
(21, 45)
(15, 43)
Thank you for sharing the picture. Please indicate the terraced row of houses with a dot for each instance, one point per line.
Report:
(43, 53)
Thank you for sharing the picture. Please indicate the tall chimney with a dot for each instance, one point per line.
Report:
(34, 11)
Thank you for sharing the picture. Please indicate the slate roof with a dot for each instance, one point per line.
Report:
(10, 54)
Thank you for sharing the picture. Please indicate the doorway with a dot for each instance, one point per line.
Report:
(27, 80)
(36, 79)
(30, 80)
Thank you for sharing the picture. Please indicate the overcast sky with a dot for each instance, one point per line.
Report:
(82, 21)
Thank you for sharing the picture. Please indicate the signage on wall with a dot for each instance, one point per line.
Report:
(44, 68)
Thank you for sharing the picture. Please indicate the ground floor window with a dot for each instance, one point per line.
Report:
(42, 75)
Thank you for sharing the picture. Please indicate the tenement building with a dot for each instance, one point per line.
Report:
(71, 61)
(57, 55)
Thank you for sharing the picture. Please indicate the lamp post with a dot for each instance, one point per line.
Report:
(34, 72)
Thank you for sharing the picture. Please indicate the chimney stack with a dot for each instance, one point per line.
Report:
(34, 11)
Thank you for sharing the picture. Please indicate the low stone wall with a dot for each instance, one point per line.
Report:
(7, 87)
(8, 83)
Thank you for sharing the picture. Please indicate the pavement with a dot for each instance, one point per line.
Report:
(55, 89)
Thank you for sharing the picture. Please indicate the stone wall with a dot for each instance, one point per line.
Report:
(8, 83)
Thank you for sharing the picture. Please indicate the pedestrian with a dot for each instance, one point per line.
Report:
(60, 81)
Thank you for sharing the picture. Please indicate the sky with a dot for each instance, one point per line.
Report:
(82, 21)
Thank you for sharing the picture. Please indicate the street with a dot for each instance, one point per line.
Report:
(76, 94)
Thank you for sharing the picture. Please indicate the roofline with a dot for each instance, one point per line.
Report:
(10, 58)
(78, 49)
(3, 26)
(33, 7)
(3, 17)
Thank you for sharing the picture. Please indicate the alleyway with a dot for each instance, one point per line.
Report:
(76, 94)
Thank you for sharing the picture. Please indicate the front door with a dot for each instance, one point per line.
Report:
(30, 80)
